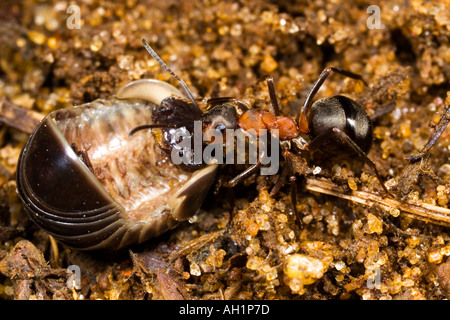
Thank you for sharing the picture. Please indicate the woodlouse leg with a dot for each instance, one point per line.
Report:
(83, 155)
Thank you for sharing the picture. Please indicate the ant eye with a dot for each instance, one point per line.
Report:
(220, 127)
(221, 117)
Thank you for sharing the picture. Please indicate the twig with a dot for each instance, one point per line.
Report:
(18, 117)
(195, 245)
(417, 210)
(438, 130)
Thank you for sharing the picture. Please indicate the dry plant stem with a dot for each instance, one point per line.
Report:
(417, 210)
(196, 244)
(440, 128)
(18, 117)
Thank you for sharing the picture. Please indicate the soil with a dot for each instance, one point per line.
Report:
(254, 247)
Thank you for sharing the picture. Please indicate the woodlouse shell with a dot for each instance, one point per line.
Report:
(87, 183)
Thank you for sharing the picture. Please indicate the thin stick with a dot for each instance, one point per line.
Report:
(165, 66)
(440, 128)
(416, 210)
(18, 117)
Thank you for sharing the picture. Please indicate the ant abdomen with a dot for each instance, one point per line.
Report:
(341, 113)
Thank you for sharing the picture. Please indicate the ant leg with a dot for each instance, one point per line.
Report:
(293, 181)
(323, 76)
(82, 153)
(288, 170)
(342, 137)
(308, 102)
(151, 126)
(221, 100)
(231, 199)
(243, 175)
(246, 173)
(273, 96)
(279, 183)
(440, 128)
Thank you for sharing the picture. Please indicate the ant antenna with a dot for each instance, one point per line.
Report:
(165, 66)
(153, 126)
(144, 127)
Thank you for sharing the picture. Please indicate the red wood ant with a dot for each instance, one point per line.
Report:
(331, 121)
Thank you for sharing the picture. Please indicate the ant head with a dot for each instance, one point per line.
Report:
(219, 118)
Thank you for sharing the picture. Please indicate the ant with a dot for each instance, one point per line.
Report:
(330, 122)
(333, 120)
